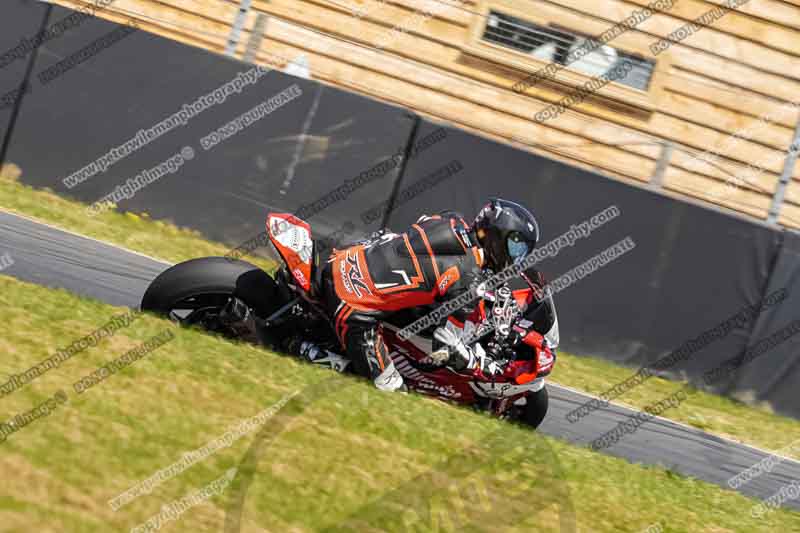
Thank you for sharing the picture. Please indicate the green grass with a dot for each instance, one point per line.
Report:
(136, 232)
(751, 424)
(340, 456)
(754, 425)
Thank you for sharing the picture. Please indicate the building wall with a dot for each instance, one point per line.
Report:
(737, 76)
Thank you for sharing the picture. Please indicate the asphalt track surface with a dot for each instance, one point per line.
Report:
(51, 257)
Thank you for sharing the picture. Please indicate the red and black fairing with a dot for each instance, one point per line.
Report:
(409, 271)
(534, 360)
(292, 238)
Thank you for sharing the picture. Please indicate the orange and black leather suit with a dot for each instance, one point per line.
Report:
(435, 260)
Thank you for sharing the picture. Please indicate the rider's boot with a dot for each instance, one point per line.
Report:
(390, 380)
(384, 374)
(314, 354)
(318, 356)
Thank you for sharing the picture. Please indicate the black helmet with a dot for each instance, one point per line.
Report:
(506, 231)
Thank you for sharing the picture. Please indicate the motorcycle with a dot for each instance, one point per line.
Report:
(518, 328)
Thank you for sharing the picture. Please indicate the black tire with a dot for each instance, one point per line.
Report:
(535, 409)
(214, 278)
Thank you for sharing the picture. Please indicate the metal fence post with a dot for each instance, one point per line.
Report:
(236, 29)
(786, 177)
(24, 87)
(657, 181)
(254, 44)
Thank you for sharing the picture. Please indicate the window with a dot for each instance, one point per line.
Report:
(523, 37)
(555, 45)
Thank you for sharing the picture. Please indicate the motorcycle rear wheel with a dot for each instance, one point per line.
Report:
(195, 291)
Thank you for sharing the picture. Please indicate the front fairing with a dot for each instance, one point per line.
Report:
(552, 336)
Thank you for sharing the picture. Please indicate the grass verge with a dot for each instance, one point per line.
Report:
(719, 415)
(341, 457)
(754, 425)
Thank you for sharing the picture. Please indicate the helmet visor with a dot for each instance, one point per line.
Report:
(518, 247)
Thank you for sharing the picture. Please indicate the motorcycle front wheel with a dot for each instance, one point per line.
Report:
(535, 408)
(195, 291)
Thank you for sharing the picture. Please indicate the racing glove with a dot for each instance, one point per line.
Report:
(459, 356)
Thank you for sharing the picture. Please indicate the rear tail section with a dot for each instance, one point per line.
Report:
(292, 238)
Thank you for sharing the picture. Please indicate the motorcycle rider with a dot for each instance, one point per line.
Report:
(439, 258)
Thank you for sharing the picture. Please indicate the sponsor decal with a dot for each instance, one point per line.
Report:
(448, 391)
(298, 275)
(352, 277)
(450, 276)
(345, 278)
(503, 390)
(402, 361)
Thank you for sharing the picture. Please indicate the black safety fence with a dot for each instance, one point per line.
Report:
(113, 113)
(697, 289)
(206, 141)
